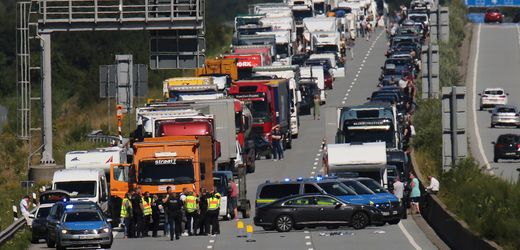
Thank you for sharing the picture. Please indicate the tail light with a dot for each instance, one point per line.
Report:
(499, 145)
(502, 96)
(518, 146)
(485, 96)
(517, 115)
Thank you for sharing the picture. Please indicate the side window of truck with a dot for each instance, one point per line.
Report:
(121, 174)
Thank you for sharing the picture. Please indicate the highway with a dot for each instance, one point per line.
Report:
(305, 160)
(495, 62)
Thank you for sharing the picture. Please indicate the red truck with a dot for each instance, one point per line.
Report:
(265, 50)
(246, 63)
(269, 102)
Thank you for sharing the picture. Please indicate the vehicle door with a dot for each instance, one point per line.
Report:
(326, 211)
(302, 209)
(103, 194)
(119, 179)
(54, 219)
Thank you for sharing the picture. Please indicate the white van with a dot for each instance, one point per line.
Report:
(83, 185)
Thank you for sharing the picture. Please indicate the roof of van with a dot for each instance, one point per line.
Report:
(356, 154)
(77, 174)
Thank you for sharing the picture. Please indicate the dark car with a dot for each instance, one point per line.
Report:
(493, 16)
(47, 200)
(506, 147)
(313, 210)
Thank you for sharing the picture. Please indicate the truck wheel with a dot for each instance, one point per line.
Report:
(289, 142)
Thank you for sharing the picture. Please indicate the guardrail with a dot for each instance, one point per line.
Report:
(11, 230)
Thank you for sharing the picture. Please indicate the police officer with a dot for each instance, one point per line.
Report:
(126, 215)
(137, 205)
(213, 212)
(173, 209)
(191, 206)
(203, 208)
(147, 212)
(156, 214)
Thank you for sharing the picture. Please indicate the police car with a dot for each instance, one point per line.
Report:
(78, 224)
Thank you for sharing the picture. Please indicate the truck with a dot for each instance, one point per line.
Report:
(338, 67)
(269, 102)
(317, 24)
(256, 39)
(221, 181)
(99, 158)
(84, 184)
(232, 125)
(284, 49)
(317, 73)
(246, 62)
(292, 73)
(264, 50)
(193, 92)
(308, 88)
(178, 162)
(369, 122)
(219, 67)
(363, 159)
(325, 42)
(301, 9)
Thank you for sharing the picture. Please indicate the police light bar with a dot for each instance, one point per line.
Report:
(165, 154)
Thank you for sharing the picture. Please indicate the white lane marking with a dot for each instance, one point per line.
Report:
(306, 232)
(474, 102)
(211, 241)
(320, 150)
(354, 81)
(409, 237)
(364, 60)
(312, 173)
(310, 249)
(362, 65)
(314, 167)
(343, 102)
(308, 243)
(357, 75)
(316, 159)
(307, 237)
(318, 154)
(348, 90)
(315, 163)
(209, 247)
(344, 98)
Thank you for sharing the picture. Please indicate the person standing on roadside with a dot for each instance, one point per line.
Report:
(191, 206)
(25, 206)
(276, 141)
(415, 195)
(137, 205)
(147, 212)
(126, 215)
(203, 206)
(233, 201)
(213, 212)
(173, 209)
(156, 214)
(433, 188)
(399, 193)
(316, 107)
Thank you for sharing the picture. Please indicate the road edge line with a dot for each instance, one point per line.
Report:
(408, 236)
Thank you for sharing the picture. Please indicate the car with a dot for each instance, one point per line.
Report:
(46, 201)
(491, 97)
(311, 210)
(506, 115)
(78, 224)
(375, 187)
(419, 18)
(493, 16)
(506, 147)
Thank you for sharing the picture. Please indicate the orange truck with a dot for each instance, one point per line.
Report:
(219, 66)
(176, 161)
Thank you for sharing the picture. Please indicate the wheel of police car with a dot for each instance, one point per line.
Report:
(359, 220)
(284, 223)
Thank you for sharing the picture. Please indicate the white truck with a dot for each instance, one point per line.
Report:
(84, 185)
(283, 45)
(99, 158)
(317, 24)
(361, 159)
(338, 68)
(292, 73)
(194, 92)
(315, 72)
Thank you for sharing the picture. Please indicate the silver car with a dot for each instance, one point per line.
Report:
(506, 115)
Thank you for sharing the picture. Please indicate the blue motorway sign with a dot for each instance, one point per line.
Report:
(492, 3)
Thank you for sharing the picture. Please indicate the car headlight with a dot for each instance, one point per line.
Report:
(64, 231)
(105, 230)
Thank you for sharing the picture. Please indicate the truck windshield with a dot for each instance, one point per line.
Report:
(83, 188)
(260, 111)
(299, 15)
(371, 135)
(327, 49)
(282, 50)
(166, 171)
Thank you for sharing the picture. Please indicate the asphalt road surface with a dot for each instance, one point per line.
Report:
(495, 63)
(305, 160)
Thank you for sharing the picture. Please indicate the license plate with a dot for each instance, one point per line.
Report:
(84, 237)
(394, 212)
(386, 213)
(510, 153)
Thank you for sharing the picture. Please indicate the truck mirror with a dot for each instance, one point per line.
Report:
(132, 174)
(218, 151)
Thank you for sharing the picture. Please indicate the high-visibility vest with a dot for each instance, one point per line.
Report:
(124, 212)
(214, 202)
(147, 206)
(191, 203)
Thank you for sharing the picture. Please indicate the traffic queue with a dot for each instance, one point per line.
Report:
(187, 160)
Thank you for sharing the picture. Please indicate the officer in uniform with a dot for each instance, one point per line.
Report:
(191, 205)
(173, 209)
(126, 215)
(147, 212)
(203, 207)
(213, 212)
(137, 205)
(156, 214)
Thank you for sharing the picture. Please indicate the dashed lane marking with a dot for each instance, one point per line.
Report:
(307, 237)
(315, 163)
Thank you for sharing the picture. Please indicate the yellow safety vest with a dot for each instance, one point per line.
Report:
(124, 212)
(191, 203)
(147, 206)
(214, 202)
